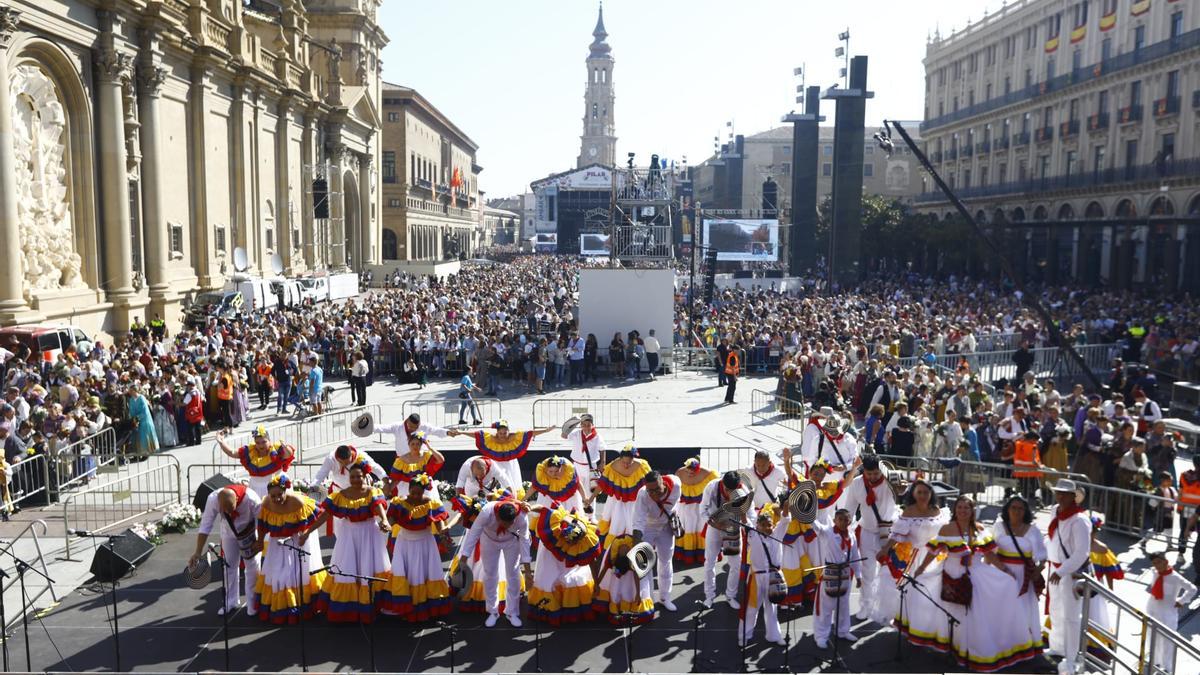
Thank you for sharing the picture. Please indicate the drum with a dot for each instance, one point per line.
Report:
(777, 588)
(731, 544)
(246, 539)
(836, 581)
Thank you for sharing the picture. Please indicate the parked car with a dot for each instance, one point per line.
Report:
(314, 289)
(215, 304)
(47, 339)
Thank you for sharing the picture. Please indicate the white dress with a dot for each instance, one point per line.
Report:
(1033, 547)
(991, 633)
(910, 535)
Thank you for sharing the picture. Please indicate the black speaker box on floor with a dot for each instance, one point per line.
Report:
(208, 487)
(126, 552)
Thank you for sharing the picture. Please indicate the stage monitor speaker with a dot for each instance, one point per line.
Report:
(126, 552)
(320, 193)
(773, 274)
(207, 488)
(743, 274)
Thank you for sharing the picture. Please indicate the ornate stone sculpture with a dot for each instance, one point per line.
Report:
(48, 252)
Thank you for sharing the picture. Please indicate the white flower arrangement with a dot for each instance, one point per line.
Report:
(149, 531)
(179, 518)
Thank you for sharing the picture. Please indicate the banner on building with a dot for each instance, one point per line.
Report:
(743, 240)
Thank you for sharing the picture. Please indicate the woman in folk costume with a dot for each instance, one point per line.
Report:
(360, 548)
(689, 549)
(287, 585)
(503, 446)
(796, 563)
(421, 459)
(977, 589)
(474, 599)
(555, 482)
(1021, 546)
(562, 575)
(829, 492)
(619, 593)
(621, 481)
(263, 458)
(417, 590)
(918, 523)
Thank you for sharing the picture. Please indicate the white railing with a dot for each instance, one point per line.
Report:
(1129, 656)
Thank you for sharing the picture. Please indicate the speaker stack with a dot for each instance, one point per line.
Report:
(207, 488)
(117, 557)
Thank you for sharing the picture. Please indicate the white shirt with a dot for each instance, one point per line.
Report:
(766, 553)
(1175, 589)
(647, 514)
(711, 500)
(651, 344)
(245, 514)
(401, 434)
(833, 549)
(1149, 411)
(594, 447)
(331, 468)
(766, 487)
(885, 503)
(1071, 545)
(472, 486)
(838, 450)
(359, 369)
(487, 524)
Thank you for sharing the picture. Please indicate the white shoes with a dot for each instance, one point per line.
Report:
(514, 620)
(848, 637)
(708, 602)
(778, 641)
(822, 644)
(221, 611)
(668, 605)
(491, 620)
(734, 603)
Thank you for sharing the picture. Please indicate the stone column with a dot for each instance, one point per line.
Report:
(13, 308)
(283, 185)
(114, 67)
(308, 158)
(154, 224)
(336, 256)
(365, 241)
(201, 229)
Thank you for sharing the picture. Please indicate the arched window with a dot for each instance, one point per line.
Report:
(1126, 209)
(1162, 207)
(595, 75)
(604, 75)
(1094, 210)
(1018, 215)
(1194, 207)
(389, 245)
(1039, 213)
(1066, 212)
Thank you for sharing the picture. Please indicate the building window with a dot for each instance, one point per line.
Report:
(1172, 84)
(270, 238)
(987, 96)
(787, 149)
(595, 110)
(1022, 171)
(393, 117)
(868, 170)
(827, 169)
(1072, 159)
(1028, 77)
(827, 150)
(869, 147)
(1167, 153)
(1050, 68)
(1105, 49)
(1139, 38)
(983, 176)
(1076, 59)
(219, 237)
(1176, 25)
(389, 166)
(1131, 154)
(1102, 103)
(1074, 110)
(1007, 85)
(971, 97)
(966, 178)
(1001, 173)
(1044, 166)
(1098, 159)
(389, 245)
(393, 203)
(1135, 93)
(176, 239)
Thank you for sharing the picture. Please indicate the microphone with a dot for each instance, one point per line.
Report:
(327, 568)
(88, 533)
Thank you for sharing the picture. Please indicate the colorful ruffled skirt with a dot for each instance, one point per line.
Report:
(560, 594)
(287, 587)
(361, 549)
(689, 549)
(624, 598)
(417, 589)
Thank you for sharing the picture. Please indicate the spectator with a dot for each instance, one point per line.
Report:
(652, 347)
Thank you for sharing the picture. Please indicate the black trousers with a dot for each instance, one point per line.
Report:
(730, 388)
(358, 390)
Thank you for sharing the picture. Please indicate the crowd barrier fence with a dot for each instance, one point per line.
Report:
(610, 414)
(771, 408)
(446, 412)
(1102, 651)
(111, 503)
(27, 480)
(78, 462)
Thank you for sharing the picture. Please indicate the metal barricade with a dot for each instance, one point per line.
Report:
(28, 483)
(446, 412)
(1136, 514)
(701, 359)
(996, 365)
(610, 414)
(78, 462)
(289, 433)
(315, 435)
(732, 458)
(991, 484)
(112, 503)
(198, 473)
(1101, 649)
(35, 585)
(771, 408)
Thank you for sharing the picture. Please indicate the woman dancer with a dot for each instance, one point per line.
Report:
(1022, 547)
(262, 458)
(555, 482)
(562, 575)
(621, 481)
(977, 589)
(918, 523)
(689, 549)
(360, 549)
(417, 589)
(620, 594)
(287, 585)
(421, 458)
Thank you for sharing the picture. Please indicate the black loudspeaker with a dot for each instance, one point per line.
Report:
(773, 274)
(710, 274)
(126, 552)
(320, 192)
(743, 274)
(207, 488)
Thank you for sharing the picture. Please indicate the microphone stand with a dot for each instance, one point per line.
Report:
(371, 581)
(112, 573)
(836, 660)
(22, 567)
(4, 622)
(224, 594)
(949, 616)
(627, 621)
(537, 637)
(301, 554)
(696, 639)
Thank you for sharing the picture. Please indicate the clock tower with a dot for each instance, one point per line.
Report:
(598, 142)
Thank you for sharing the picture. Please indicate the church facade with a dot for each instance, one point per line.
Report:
(147, 140)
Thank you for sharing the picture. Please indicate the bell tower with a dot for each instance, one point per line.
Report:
(598, 142)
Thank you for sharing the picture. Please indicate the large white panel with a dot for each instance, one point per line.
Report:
(624, 300)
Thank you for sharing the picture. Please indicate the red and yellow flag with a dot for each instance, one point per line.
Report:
(1139, 7)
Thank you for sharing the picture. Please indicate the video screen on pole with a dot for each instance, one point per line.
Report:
(595, 244)
(744, 240)
(545, 242)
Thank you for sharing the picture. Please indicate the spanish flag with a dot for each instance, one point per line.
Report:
(1052, 45)
(1078, 34)
(1139, 7)
(1108, 21)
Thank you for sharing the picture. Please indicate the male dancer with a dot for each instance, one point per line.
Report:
(652, 513)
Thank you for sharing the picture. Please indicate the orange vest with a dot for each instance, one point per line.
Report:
(225, 388)
(1189, 488)
(731, 363)
(1025, 458)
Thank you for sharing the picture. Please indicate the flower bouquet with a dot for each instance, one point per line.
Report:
(179, 518)
(149, 531)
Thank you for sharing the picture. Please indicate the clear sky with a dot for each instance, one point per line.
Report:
(511, 73)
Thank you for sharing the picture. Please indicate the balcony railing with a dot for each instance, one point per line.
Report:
(952, 155)
(1002, 143)
(1020, 138)
(1130, 114)
(1045, 134)
(1166, 106)
(983, 148)
(1075, 181)
(1115, 64)
(968, 150)
(1098, 121)
(1068, 129)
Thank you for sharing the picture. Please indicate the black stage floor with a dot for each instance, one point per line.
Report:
(168, 627)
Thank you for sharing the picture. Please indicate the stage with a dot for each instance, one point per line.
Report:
(168, 627)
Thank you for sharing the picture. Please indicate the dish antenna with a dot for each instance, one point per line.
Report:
(277, 264)
(240, 260)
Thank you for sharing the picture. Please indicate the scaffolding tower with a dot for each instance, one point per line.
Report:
(640, 216)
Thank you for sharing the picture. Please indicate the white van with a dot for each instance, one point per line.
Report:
(288, 293)
(257, 293)
(314, 289)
